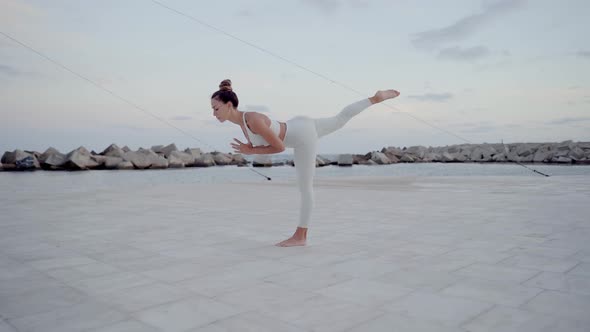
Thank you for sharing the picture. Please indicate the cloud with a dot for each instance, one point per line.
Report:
(331, 6)
(245, 13)
(475, 127)
(568, 120)
(181, 118)
(15, 10)
(257, 108)
(436, 97)
(464, 27)
(9, 70)
(463, 54)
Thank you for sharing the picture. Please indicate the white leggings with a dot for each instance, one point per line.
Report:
(302, 135)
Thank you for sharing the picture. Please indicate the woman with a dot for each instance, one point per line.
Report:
(266, 136)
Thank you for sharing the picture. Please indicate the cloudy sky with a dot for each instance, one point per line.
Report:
(482, 71)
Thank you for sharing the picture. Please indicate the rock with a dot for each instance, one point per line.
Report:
(113, 151)
(160, 163)
(164, 150)
(157, 149)
(361, 159)
(238, 159)
(576, 153)
(143, 158)
(79, 159)
(100, 160)
(52, 159)
(9, 157)
(525, 150)
(481, 154)
(345, 160)
(126, 149)
(28, 163)
(195, 152)
(543, 154)
(431, 157)
(380, 158)
(262, 160)
(321, 161)
(222, 159)
(452, 149)
(392, 151)
(114, 162)
(416, 152)
(204, 160)
(447, 157)
(500, 157)
(407, 158)
(20, 160)
(565, 145)
(186, 159)
(562, 160)
(125, 165)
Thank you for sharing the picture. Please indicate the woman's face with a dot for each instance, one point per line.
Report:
(220, 110)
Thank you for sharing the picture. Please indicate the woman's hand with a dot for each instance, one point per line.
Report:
(242, 148)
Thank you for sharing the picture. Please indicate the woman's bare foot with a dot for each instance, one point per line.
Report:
(382, 95)
(298, 239)
(291, 242)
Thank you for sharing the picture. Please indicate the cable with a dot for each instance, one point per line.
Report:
(112, 93)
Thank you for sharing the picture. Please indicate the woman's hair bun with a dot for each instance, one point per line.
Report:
(225, 85)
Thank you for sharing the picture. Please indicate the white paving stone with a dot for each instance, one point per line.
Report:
(496, 272)
(110, 283)
(145, 296)
(420, 279)
(78, 317)
(130, 325)
(322, 314)
(40, 300)
(508, 319)
(5, 327)
(582, 269)
(563, 304)
(385, 254)
(540, 263)
(447, 310)
(250, 322)
(394, 322)
(569, 283)
(505, 293)
(364, 292)
(186, 314)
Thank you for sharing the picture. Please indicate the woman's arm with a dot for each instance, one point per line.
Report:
(258, 125)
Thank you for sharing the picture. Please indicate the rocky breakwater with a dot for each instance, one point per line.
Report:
(567, 152)
(113, 157)
(160, 157)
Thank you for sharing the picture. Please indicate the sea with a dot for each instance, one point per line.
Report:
(88, 181)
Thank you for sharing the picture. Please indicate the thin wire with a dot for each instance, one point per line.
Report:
(262, 49)
(112, 93)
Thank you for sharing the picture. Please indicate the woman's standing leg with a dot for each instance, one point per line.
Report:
(304, 156)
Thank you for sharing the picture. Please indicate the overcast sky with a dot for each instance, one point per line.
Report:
(485, 71)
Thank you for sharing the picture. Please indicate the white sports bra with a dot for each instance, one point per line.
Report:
(258, 140)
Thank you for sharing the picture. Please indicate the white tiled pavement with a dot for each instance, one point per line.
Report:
(386, 254)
